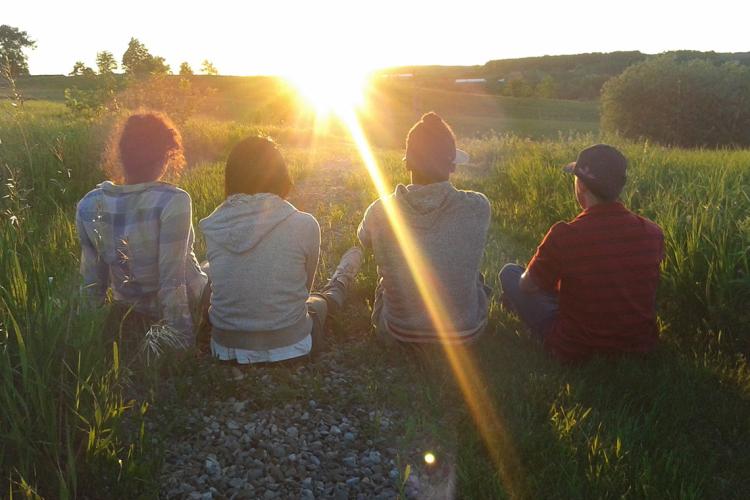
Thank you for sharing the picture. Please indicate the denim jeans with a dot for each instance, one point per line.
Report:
(537, 310)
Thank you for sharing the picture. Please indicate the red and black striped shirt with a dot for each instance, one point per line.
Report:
(605, 266)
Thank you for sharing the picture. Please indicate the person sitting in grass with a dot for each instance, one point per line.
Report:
(136, 231)
(591, 286)
(262, 257)
(448, 228)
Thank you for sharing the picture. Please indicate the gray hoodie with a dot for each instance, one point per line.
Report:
(450, 228)
(262, 255)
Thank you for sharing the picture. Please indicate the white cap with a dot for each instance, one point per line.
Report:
(462, 157)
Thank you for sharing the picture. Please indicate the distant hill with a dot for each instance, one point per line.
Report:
(577, 76)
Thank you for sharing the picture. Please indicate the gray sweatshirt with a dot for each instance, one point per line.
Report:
(450, 228)
(262, 255)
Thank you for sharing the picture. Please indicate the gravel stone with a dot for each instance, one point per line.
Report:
(298, 448)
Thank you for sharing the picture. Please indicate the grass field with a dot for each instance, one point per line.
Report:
(673, 425)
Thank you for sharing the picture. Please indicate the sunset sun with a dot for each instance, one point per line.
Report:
(331, 92)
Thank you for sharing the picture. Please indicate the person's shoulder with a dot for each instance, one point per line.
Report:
(649, 226)
(304, 220)
(561, 230)
(377, 207)
(477, 200)
(90, 198)
(172, 191)
(174, 198)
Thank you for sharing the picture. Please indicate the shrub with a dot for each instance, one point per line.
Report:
(691, 103)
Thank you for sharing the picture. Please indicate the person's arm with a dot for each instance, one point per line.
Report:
(94, 271)
(363, 231)
(312, 253)
(174, 237)
(545, 268)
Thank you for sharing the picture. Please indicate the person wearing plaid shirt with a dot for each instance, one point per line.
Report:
(137, 236)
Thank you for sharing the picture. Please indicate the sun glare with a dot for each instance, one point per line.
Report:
(331, 92)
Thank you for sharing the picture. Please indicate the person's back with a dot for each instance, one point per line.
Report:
(609, 259)
(448, 228)
(264, 247)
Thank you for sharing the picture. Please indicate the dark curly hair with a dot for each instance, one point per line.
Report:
(255, 165)
(145, 146)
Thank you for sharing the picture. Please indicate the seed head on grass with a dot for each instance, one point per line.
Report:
(158, 339)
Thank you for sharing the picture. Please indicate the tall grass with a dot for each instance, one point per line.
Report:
(67, 428)
(61, 387)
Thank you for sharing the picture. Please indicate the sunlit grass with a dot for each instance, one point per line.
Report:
(671, 426)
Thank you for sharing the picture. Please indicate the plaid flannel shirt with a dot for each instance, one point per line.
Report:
(138, 240)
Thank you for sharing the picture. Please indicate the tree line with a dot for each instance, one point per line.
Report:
(681, 98)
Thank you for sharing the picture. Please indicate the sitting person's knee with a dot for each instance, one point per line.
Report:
(510, 275)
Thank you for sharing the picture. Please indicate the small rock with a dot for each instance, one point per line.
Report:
(292, 432)
(374, 457)
(212, 466)
(352, 482)
(255, 474)
(349, 436)
(394, 474)
(350, 461)
(236, 482)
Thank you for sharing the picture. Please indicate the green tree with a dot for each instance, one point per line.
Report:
(547, 88)
(12, 44)
(518, 87)
(185, 69)
(680, 102)
(105, 62)
(208, 68)
(80, 69)
(139, 62)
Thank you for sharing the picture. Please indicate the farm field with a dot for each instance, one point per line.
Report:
(80, 420)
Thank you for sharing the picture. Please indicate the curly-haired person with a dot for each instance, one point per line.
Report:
(136, 230)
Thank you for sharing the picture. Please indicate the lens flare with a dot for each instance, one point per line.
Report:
(429, 458)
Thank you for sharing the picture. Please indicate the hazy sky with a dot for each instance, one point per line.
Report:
(279, 36)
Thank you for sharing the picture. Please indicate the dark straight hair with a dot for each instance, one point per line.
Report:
(254, 166)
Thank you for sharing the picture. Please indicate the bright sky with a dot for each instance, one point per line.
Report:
(278, 36)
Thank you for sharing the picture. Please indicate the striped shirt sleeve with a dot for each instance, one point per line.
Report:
(174, 236)
(94, 271)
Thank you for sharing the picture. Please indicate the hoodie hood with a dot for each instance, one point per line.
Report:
(242, 221)
(424, 205)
